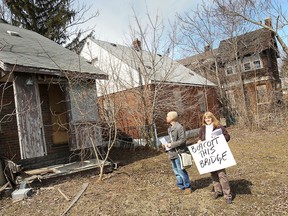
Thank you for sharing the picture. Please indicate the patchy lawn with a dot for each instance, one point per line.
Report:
(144, 184)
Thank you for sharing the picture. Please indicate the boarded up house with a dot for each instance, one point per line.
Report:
(48, 98)
(247, 72)
(144, 86)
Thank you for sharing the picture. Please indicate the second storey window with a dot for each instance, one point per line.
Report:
(257, 64)
(247, 66)
(229, 70)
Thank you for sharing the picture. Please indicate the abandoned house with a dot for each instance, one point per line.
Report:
(248, 74)
(48, 100)
(143, 86)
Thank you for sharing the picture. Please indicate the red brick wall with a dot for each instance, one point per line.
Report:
(130, 110)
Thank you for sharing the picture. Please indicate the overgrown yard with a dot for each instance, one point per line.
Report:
(144, 184)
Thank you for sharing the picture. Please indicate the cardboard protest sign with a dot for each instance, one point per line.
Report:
(212, 155)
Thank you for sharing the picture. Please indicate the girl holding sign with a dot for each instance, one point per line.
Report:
(219, 177)
(177, 144)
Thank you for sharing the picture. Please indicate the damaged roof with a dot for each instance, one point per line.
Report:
(247, 44)
(158, 68)
(22, 49)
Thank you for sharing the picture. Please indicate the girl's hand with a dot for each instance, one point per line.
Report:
(199, 141)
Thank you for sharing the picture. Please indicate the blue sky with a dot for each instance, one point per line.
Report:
(113, 22)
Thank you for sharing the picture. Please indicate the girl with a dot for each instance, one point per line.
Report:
(219, 177)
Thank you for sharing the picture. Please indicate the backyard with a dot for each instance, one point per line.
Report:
(144, 184)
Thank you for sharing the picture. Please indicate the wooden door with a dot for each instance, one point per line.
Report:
(29, 116)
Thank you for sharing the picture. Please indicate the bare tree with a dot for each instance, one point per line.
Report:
(203, 29)
(153, 84)
(254, 12)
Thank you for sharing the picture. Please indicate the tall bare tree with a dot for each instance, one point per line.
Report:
(254, 11)
(202, 29)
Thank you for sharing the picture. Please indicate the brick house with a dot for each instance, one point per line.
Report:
(145, 86)
(43, 88)
(247, 68)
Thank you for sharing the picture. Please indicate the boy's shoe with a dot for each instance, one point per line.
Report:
(187, 191)
(176, 190)
(217, 195)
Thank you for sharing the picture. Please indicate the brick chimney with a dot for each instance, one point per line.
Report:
(268, 22)
(137, 44)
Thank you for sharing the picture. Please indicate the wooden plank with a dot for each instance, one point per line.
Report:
(63, 194)
(29, 117)
(4, 186)
(40, 171)
(84, 186)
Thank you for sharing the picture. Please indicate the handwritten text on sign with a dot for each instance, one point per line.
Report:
(212, 155)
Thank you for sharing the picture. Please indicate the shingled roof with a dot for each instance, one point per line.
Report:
(164, 69)
(247, 44)
(27, 51)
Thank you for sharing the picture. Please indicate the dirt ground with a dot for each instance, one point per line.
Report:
(144, 184)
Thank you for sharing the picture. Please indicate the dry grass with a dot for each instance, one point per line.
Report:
(143, 185)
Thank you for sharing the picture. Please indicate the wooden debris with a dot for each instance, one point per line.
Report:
(63, 194)
(4, 186)
(84, 186)
(40, 171)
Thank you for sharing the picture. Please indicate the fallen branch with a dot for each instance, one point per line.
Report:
(63, 194)
(84, 186)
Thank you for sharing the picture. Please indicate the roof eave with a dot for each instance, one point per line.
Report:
(7, 68)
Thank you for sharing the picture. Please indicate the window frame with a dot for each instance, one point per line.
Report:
(251, 61)
(232, 70)
(244, 67)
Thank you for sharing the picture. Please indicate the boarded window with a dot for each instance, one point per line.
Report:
(83, 102)
(262, 94)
